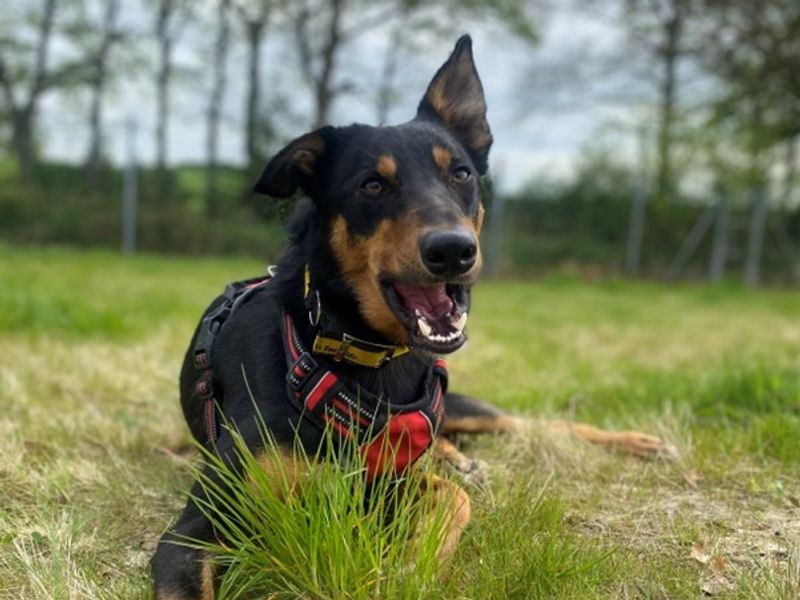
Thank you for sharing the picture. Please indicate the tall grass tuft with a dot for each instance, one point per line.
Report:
(295, 526)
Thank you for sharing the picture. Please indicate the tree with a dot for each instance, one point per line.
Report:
(320, 33)
(417, 27)
(318, 61)
(215, 105)
(323, 27)
(24, 84)
(171, 18)
(254, 16)
(751, 48)
(98, 64)
(659, 28)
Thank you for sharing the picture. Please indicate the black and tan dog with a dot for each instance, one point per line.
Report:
(374, 286)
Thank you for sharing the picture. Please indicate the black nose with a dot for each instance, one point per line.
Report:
(449, 253)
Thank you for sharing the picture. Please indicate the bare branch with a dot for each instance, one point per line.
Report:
(303, 42)
(42, 50)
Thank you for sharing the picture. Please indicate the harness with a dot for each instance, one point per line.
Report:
(389, 437)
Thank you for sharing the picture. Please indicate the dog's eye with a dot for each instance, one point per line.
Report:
(372, 186)
(461, 174)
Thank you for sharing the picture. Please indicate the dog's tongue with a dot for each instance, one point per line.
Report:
(431, 301)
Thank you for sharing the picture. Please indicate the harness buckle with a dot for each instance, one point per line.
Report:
(390, 352)
(301, 371)
(347, 340)
(209, 327)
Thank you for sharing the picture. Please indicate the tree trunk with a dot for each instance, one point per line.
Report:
(325, 93)
(215, 109)
(670, 54)
(390, 63)
(24, 117)
(98, 88)
(22, 136)
(255, 35)
(95, 129)
(163, 79)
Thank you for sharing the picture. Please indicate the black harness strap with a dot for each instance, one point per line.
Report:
(379, 428)
(390, 437)
(233, 297)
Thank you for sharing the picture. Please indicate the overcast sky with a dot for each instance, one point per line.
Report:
(540, 125)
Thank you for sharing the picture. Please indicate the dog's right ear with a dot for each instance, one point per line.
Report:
(294, 166)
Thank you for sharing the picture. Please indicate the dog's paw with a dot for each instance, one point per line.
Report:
(472, 472)
(645, 446)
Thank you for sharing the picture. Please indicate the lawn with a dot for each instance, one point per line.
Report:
(95, 460)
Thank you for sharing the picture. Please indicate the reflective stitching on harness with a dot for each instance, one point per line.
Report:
(318, 392)
(401, 433)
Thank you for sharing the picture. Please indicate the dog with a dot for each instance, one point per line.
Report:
(374, 287)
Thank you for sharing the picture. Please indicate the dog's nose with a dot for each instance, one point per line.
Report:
(449, 253)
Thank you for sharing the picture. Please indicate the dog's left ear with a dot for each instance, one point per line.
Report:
(455, 99)
(294, 166)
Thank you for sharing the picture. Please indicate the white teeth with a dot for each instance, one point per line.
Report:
(424, 328)
(444, 338)
(460, 322)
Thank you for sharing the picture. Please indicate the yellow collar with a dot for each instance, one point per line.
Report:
(356, 351)
(349, 349)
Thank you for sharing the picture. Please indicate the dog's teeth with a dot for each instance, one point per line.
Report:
(460, 323)
(424, 328)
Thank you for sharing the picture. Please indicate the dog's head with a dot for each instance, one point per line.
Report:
(398, 208)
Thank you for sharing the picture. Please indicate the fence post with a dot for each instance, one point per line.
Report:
(130, 189)
(633, 250)
(495, 234)
(755, 241)
(719, 249)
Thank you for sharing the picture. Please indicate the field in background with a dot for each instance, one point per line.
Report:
(93, 463)
(582, 225)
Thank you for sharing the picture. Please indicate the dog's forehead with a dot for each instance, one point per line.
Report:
(407, 145)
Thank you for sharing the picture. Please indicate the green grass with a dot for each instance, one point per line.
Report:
(95, 460)
(315, 528)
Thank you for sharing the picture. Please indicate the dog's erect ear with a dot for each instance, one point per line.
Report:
(292, 167)
(455, 99)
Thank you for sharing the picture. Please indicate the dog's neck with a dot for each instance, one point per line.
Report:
(313, 288)
(403, 375)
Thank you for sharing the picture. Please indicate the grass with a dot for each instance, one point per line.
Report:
(95, 459)
(313, 529)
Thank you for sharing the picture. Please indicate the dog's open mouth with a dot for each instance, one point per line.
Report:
(434, 314)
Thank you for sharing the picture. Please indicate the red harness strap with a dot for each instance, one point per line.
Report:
(391, 438)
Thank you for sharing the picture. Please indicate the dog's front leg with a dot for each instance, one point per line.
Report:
(180, 572)
(451, 503)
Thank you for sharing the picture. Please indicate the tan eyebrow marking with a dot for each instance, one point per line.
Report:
(386, 166)
(442, 157)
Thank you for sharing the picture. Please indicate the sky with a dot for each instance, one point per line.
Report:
(541, 121)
